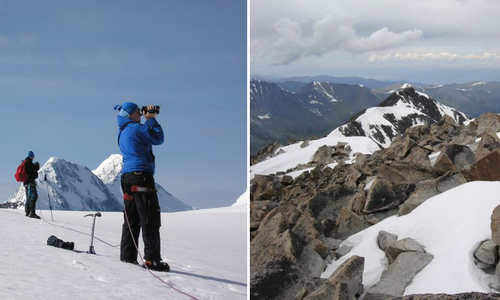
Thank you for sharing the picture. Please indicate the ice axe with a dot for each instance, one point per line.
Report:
(97, 214)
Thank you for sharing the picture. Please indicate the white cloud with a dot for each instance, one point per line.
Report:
(311, 36)
(442, 56)
(333, 32)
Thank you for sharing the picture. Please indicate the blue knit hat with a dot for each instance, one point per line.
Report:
(31, 154)
(126, 109)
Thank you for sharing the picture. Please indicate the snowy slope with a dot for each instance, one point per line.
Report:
(243, 199)
(109, 171)
(205, 249)
(295, 155)
(70, 187)
(403, 109)
(450, 226)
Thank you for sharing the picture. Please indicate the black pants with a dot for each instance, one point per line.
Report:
(142, 212)
(31, 197)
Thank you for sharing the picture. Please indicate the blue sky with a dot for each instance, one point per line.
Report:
(65, 64)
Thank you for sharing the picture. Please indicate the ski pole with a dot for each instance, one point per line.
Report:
(91, 249)
(48, 196)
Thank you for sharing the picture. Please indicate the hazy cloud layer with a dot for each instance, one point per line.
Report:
(335, 31)
(311, 36)
(444, 56)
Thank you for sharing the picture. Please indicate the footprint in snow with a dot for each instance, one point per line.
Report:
(79, 264)
(98, 278)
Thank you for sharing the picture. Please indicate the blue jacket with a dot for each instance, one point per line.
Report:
(136, 141)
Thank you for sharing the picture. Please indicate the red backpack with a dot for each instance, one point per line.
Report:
(21, 174)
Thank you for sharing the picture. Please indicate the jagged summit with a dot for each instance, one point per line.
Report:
(109, 169)
(70, 187)
(401, 110)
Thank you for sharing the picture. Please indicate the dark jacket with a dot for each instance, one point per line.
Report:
(31, 169)
(136, 141)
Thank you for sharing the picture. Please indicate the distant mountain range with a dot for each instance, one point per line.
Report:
(291, 108)
(277, 114)
(370, 83)
(74, 187)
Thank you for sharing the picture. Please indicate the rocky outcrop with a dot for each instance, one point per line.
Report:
(348, 223)
(398, 276)
(486, 169)
(265, 153)
(454, 157)
(386, 239)
(344, 283)
(383, 195)
(495, 225)
(430, 188)
(487, 122)
(489, 142)
(317, 209)
(463, 296)
(405, 172)
(487, 253)
(405, 245)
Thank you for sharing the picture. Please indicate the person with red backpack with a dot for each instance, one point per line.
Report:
(31, 170)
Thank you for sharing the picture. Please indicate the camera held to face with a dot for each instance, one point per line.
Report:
(154, 110)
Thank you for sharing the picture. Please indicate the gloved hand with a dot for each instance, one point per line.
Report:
(149, 115)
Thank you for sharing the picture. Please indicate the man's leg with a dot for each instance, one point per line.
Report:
(128, 251)
(150, 220)
(33, 198)
(27, 204)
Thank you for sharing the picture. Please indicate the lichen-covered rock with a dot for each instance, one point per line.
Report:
(381, 196)
(489, 142)
(454, 158)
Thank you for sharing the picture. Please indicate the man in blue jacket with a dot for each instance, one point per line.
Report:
(142, 209)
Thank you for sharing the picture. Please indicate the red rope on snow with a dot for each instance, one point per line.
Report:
(135, 244)
(147, 268)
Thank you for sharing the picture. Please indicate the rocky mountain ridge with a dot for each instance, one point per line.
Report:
(298, 222)
(277, 114)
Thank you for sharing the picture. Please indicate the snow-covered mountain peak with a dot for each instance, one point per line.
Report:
(110, 169)
(401, 110)
(68, 186)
